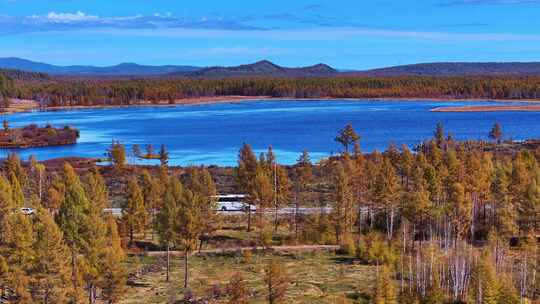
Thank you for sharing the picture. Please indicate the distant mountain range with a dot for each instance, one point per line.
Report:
(124, 69)
(459, 69)
(267, 68)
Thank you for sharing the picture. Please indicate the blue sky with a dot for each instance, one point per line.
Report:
(353, 34)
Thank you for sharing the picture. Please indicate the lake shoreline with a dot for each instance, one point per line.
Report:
(511, 108)
(21, 106)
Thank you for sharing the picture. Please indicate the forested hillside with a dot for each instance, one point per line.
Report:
(6, 87)
(123, 92)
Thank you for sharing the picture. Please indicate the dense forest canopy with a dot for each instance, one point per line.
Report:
(70, 92)
(6, 88)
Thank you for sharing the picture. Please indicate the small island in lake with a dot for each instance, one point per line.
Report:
(33, 136)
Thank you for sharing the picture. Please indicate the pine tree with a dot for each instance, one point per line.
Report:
(151, 193)
(261, 195)
(55, 194)
(166, 224)
(4, 276)
(343, 213)
(16, 190)
(134, 213)
(304, 176)
(384, 292)
(505, 213)
(95, 236)
(200, 181)
(189, 227)
(530, 206)
(245, 174)
(486, 287)
(277, 281)
(439, 134)
(72, 218)
(282, 191)
(387, 193)
(163, 156)
(51, 280)
(96, 190)
(6, 207)
(13, 166)
(20, 255)
(347, 137)
(460, 209)
(117, 154)
(496, 132)
(113, 273)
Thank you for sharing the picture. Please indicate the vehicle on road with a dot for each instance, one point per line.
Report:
(233, 202)
(27, 210)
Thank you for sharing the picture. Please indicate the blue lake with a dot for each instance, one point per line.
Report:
(213, 133)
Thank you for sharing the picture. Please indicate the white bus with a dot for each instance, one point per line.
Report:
(233, 202)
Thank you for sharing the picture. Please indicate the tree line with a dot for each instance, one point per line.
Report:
(88, 92)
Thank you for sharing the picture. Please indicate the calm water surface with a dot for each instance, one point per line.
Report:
(213, 133)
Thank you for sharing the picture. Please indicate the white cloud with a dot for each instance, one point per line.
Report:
(70, 21)
(70, 17)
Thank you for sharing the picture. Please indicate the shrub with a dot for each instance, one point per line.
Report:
(247, 255)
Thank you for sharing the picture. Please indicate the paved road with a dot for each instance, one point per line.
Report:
(117, 212)
(299, 248)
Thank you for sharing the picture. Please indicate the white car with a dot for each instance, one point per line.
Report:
(27, 210)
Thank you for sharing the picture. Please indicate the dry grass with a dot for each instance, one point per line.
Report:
(315, 278)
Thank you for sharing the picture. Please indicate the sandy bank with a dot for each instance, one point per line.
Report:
(511, 108)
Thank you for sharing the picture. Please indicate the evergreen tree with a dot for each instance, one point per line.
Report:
(13, 166)
(486, 284)
(387, 193)
(96, 242)
(189, 227)
(117, 154)
(262, 195)
(439, 134)
(51, 280)
(20, 255)
(505, 215)
(245, 174)
(72, 218)
(282, 191)
(16, 190)
(55, 194)
(343, 210)
(460, 209)
(496, 132)
(134, 213)
(384, 292)
(347, 137)
(151, 193)
(200, 181)
(277, 281)
(113, 273)
(96, 190)
(6, 207)
(166, 224)
(163, 156)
